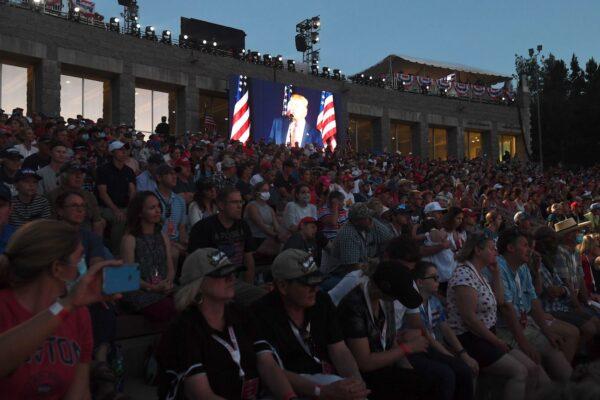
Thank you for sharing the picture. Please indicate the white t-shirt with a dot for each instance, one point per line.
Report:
(293, 213)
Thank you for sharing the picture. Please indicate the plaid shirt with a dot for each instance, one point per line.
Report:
(568, 267)
(549, 279)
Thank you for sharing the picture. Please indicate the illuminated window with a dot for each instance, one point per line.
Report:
(507, 143)
(13, 88)
(79, 96)
(473, 144)
(214, 114)
(360, 133)
(401, 137)
(150, 106)
(438, 143)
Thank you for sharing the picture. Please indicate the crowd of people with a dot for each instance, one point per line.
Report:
(286, 272)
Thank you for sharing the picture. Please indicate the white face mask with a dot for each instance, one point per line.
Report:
(265, 196)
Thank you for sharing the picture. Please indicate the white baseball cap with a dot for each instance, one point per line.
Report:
(433, 207)
(116, 145)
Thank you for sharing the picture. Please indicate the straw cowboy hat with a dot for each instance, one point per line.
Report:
(569, 225)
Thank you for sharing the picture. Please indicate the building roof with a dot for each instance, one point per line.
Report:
(434, 69)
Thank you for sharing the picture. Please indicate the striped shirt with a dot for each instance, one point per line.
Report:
(330, 231)
(22, 213)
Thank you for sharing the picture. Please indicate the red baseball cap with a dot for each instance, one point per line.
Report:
(469, 212)
(307, 220)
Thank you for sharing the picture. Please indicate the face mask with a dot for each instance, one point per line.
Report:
(305, 197)
(85, 137)
(579, 238)
(265, 196)
(81, 270)
(102, 135)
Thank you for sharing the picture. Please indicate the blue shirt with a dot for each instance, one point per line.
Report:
(518, 288)
(5, 236)
(432, 315)
(173, 214)
(145, 181)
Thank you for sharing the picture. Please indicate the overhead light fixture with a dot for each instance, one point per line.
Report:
(136, 30)
(114, 24)
(166, 37)
(337, 74)
(316, 22)
(325, 72)
(150, 33)
(291, 65)
(314, 37)
(184, 41)
(314, 69)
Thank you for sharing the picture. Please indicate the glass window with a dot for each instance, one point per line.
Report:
(473, 144)
(80, 96)
(214, 114)
(150, 106)
(361, 134)
(401, 136)
(13, 88)
(507, 143)
(438, 143)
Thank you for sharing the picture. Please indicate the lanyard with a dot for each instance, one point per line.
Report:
(304, 345)
(167, 206)
(429, 317)
(234, 351)
(482, 280)
(383, 333)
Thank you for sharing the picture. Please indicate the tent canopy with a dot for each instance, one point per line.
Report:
(434, 69)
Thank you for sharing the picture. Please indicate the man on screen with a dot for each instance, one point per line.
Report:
(294, 129)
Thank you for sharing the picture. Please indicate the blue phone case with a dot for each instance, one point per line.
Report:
(125, 278)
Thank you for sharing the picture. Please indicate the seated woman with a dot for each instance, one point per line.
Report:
(472, 315)
(367, 317)
(46, 344)
(212, 350)
(298, 209)
(204, 204)
(144, 244)
(263, 222)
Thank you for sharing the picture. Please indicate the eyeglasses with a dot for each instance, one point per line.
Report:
(432, 277)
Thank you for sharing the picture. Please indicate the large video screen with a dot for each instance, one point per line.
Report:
(285, 114)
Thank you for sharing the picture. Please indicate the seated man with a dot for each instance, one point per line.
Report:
(27, 205)
(304, 238)
(301, 323)
(6, 230)
(522, 321)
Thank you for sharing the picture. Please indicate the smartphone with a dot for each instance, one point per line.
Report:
(125, 278)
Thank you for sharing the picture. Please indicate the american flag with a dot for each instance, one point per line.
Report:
(240, 123)
(210, 126)
(287, 94)
(326, 120)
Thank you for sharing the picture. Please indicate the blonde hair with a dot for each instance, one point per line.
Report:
(34, 248)
(589, 243)
(188, 295)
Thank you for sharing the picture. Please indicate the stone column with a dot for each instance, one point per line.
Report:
(420, 135)
(46, 88)
(494, 146)
(123, 98)
(188, 109)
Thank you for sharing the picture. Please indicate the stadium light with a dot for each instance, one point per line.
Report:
(291, 65)
(314, 69)
(337, 74)
(77, 9)
(114, 24)
(316, 22)
(184, 41)
(314, 37)
(325, 72)
(150, 33)
(166, 37)
(136, 30)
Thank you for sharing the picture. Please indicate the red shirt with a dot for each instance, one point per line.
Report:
(49, 372)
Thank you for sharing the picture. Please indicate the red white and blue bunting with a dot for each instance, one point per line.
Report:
(478, 90)
(462, 89)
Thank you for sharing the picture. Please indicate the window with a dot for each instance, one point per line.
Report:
(438, 143)
(360, 133)
(13, 88)
(507, 143)
(214, 114)
(150, 106)
(473, 145)
(79, 96)
(401, 137)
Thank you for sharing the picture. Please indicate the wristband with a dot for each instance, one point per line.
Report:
(317, 392)
(59, 311)
(404, 348)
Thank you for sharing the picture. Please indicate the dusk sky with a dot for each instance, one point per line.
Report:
(356, 34)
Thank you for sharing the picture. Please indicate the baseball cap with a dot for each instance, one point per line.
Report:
(575, 204)
(521, 216)
(11, 153)
(5, 193)
(116, 145)
(72, 167)
(497, 186)
(469, 212)
(394, 280)
(228, 162)
(307, 220)
(206, 262)
(26, 173)
(182, 162)
(360, 211)
(401, 209)
(433, 207)
(294, 264)
(595, 206)
(164, 169)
